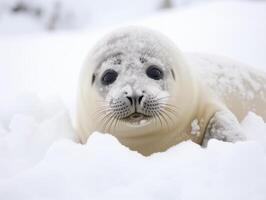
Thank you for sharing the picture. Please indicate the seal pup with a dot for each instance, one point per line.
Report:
(137, 86)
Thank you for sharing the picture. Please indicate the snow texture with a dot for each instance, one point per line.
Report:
(40, 160)
(195, 128)
(224, 75)
(39, 155)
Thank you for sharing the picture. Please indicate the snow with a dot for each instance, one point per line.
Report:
(39, 158)
(34, 167)
(258, 134)
(195, 128)
(28, 129)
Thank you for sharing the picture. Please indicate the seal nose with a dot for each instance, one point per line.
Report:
(135, 99)
(130, 100)
(140, 99)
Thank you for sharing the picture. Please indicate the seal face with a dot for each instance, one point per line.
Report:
(137, 86)
(133, 83)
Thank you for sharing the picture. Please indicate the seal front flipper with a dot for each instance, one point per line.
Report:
(223, 126)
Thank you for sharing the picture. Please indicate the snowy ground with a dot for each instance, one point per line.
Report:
(40, 160)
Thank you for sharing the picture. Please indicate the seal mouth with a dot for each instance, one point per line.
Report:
(137, 119)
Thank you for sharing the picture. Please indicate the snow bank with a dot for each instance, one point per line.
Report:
(41, 160)
(27, 128)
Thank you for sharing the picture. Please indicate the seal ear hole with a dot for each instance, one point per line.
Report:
(93, 79)
(173, 73)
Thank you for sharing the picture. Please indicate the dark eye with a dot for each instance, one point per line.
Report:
(109, 76)
(154, 72)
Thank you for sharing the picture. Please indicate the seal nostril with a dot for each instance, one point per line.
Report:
(131, 100)
(140, 98)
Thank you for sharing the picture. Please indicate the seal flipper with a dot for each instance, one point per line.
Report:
(223, 126)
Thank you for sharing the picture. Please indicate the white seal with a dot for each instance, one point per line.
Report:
(137, 86)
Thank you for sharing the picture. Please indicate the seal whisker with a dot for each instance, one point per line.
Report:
(169, 105)
(105, 116)
(161, 98)
(117, 119)
(166, 114)
(103, 105)
(164, 97)
(109, 125)
(114, 121)
(103, 109)
(153, 118)
(102, 101)
(173, 111)
(165, 120)
(170, 109)
(106, 120)
(156, 114)
(97, 114)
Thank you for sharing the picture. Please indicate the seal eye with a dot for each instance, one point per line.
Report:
(154, 72)
(109, 76)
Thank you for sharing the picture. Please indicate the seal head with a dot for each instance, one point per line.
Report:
(136, 86)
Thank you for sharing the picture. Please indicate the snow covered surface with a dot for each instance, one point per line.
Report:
(39, 158)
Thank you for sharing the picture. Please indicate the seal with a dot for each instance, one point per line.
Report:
(138, 86)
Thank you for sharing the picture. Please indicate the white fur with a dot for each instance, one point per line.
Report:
(193, 97)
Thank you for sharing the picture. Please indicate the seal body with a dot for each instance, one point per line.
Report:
(240, 87)
(137, 86)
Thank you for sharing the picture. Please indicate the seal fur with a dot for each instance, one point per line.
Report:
(181, 97)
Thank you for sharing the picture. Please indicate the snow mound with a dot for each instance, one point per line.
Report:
(27, 128)
(41, 160)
